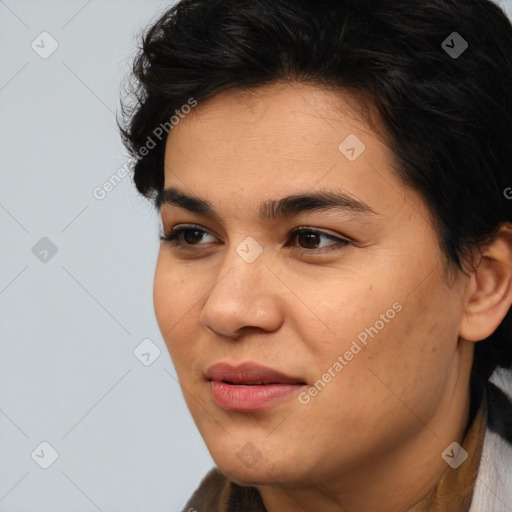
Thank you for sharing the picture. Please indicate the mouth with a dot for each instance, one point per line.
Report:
(249, 383)
(250, 387)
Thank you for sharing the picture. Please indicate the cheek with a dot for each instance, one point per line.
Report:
(380, 382)
(406, 340)
(164, 287)
(410, 359)
(352, 310)
(173, 301)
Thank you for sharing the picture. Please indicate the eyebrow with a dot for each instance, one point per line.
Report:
(271, 210)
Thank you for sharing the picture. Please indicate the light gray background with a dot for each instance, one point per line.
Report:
(69, 325)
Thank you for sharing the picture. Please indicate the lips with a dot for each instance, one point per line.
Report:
(249, 387)
(249, 374)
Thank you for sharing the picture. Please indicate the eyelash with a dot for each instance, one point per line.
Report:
(172, 238)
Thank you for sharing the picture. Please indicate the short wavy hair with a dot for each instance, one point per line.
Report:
(447, 117)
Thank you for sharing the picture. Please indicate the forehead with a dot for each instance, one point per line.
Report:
(291, 117)
(278, 139)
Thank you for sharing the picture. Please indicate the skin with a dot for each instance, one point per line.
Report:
(372, 439)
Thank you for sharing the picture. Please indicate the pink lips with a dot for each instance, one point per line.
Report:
(249, 386)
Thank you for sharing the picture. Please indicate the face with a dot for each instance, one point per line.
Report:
(349, 304)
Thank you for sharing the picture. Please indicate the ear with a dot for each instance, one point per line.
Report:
(488, 294)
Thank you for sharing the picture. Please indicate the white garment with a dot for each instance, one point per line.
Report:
(493, 486)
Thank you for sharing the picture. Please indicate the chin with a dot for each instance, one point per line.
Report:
(248, 477)
(252, 471)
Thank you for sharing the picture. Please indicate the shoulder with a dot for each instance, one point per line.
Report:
(500, 404)
(493, 488)
(208, 497)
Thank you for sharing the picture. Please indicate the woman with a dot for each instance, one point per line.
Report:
(335, 274)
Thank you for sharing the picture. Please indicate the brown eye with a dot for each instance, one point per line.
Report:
(310, 239)
(192, 236)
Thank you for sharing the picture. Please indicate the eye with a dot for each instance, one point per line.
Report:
(189, 236)
(310, 237)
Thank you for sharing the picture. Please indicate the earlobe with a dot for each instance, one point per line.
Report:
(489, 292)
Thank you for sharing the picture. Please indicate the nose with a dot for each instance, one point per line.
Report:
(245, 295)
